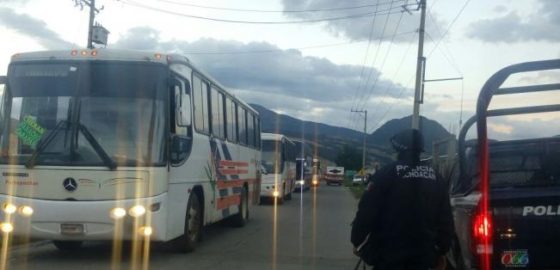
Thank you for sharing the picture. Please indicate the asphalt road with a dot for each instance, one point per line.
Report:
(311, 231)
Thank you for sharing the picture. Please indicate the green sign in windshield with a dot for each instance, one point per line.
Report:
(29, 131)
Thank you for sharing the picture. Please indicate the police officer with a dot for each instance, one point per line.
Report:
(404, 217)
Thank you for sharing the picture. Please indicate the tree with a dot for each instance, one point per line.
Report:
(349, 157)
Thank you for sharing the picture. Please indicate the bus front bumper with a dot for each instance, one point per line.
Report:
(270, 190)
(85, 220)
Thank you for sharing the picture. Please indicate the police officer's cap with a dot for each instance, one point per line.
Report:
(409, 139)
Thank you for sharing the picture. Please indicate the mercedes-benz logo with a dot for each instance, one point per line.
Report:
(70, 184)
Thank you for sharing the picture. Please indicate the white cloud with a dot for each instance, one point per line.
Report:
(541, 25)
(33, 28)
(361, 28)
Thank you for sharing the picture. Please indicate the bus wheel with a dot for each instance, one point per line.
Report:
(289, 195)
(67, 245)
(193, 225)
(241, 218)
(280, 198)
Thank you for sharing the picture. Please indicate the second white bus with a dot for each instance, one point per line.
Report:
(278, 160)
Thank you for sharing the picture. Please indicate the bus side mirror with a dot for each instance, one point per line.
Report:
(180, 148)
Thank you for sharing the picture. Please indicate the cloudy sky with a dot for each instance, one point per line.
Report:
(297, 63)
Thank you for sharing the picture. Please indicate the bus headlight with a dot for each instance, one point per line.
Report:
(137, 211)
(315, 182)
(6, 227)
(146, 230)
(276, 193)
(26, 211)
(9, 208)
(118, 213)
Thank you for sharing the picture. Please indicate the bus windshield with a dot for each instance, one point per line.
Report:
(272, 157)
(85, 114)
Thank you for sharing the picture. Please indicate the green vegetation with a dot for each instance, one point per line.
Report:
(357, 191)
(349, 158)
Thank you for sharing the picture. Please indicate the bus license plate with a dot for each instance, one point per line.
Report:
(72, 229)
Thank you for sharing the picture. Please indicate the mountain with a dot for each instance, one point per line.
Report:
(432, 131)
(330, 139)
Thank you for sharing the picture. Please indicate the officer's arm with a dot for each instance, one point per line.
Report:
(446, 228)
(363, 222)
(368, 208)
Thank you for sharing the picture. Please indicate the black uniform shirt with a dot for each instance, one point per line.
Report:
(406, 209)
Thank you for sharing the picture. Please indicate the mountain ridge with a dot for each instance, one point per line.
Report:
(330, 139)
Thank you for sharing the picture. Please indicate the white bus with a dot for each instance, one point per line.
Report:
(278, 159)
(110, 144)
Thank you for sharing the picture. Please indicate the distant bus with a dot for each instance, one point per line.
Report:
(316, 172)
(110, 144)
(304, 164)
(279, 162)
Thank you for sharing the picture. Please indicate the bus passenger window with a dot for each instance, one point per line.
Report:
(217, 113)
(230, 120)
(242, 125)
(251, 129)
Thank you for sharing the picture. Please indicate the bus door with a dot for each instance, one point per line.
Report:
(3, 82)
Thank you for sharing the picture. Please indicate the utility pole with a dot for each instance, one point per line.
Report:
(420, 66)
(92, 11)
(364, 144)
(90, 27)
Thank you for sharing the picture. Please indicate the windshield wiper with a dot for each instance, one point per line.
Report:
(97, 147)
(30, 163)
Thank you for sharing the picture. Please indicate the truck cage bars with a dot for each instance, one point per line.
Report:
(491, 88)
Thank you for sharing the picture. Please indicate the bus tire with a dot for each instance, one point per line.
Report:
(241, 218)
(193, 226)
(289, 195)
(67, 245)
(280, 199)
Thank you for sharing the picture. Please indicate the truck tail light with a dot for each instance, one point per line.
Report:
(482, 233)
(482, 228)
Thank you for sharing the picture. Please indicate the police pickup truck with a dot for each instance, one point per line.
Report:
(505, 195)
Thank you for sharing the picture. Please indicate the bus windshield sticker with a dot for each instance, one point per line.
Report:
(29, 131)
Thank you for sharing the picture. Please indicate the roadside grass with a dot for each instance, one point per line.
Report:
(357, 191)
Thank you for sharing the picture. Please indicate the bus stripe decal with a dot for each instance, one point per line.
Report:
(237, 190)
(234, 163)
(227, 161)
(226, 202)
(234, 183)
(217, 159)
(224, 192)
(233, 172)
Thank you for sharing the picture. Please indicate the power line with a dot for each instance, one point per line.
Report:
(391, 86)
(449, 27)
(385, 58)
(279, 50)
(354, 16)
(274, 11)
(356, 93)
(375, 59)
(445, 56)
(451, 59)
(404, 87)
